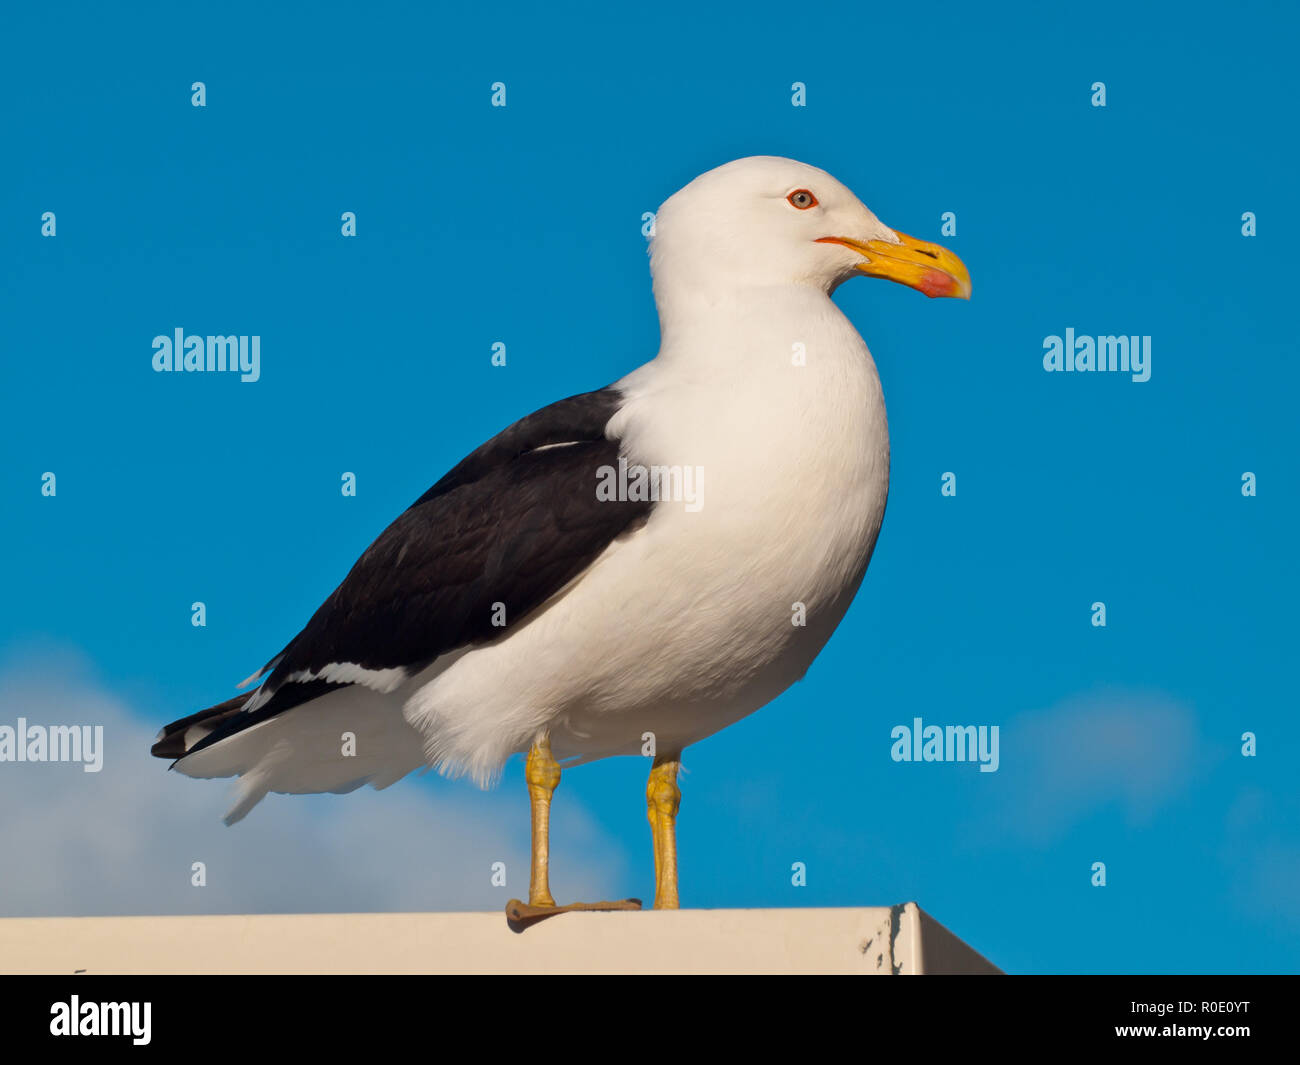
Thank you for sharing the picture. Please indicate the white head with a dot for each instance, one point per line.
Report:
(766, 221)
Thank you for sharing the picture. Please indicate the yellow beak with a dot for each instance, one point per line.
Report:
(918, 264)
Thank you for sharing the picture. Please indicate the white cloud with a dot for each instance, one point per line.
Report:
(1261, 849)
(1132, 750)
(122, 841)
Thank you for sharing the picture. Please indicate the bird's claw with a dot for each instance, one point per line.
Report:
(521, 915)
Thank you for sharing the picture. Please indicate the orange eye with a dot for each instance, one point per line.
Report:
(802, 198)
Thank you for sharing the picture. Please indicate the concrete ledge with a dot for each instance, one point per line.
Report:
(884, 940)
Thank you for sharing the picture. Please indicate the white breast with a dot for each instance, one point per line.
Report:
(690, 623)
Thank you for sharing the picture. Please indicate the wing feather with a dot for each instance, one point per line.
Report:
(506, 529)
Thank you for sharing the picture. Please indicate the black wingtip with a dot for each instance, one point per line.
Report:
(170, 741)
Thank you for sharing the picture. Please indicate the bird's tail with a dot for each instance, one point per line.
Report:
(178, 739)
(338, 742)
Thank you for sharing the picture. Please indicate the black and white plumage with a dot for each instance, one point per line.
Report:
(622, 616)
(511, 524)
(506, 529)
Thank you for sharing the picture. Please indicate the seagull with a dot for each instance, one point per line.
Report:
(626, 571)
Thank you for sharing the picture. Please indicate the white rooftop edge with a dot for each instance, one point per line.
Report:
(876, 940)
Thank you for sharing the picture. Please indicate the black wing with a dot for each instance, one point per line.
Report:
(513, 523)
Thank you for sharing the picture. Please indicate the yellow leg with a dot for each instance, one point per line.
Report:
(543, 775)
(663, 798)
(542, 772)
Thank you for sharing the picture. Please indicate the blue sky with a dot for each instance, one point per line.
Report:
(523, 225)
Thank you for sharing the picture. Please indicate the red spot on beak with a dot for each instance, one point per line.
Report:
(937, 283)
